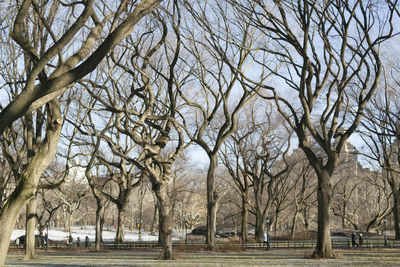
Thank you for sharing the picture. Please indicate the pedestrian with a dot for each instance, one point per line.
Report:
(71, 240)
(46, 241)
(42, 241)
(360, 240)
(78, 242)
(353, 239)
(268, 242)
(86, 242)
(67, 241)
(17, 242)
(265, 239)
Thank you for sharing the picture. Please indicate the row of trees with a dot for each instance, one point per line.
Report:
(136, 91)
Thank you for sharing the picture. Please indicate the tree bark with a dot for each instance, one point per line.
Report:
(70, 221)
(396, 212)
(164, 210)
(294, 221)
(324, 193)
(260, 225)
(212, 204)
(119, 238)
(153, 222)
(30, 179)
(99, 225)
(245, 217)
(30, 229)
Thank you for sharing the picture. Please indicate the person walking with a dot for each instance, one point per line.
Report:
(86, 242)
(353, 239)
(70, 242)
(265, 240)
(268, 242)
(46, 241)
(360, 240)
(78, 242)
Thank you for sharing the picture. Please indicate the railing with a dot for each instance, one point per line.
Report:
(336, 243)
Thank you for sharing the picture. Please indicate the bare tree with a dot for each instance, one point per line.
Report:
(328, 53)
(140, 97)
(217, 95)
(256, 148)
(382, 135)
(304, 190)
(51, 73)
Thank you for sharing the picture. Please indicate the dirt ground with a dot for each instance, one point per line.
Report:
(277, 257)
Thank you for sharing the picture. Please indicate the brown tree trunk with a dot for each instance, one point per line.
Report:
(119, 238)
(324, 193)
(245, 218)
(260, 223)
(306, 212)
(30, 229)
(344, 207)
(396, 212)
(212, 204)
(99, 225)
(70, 221)
(260, 228)
(29, 180)
(294, 221)
(153, 222)
(164, 210)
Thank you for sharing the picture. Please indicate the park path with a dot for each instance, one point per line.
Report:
(278, 257)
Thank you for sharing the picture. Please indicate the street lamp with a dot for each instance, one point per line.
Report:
(186, 228)
(268, 238)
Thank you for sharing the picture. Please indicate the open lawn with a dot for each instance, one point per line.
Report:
(274, 257)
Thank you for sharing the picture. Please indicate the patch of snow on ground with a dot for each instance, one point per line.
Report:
(59, 234)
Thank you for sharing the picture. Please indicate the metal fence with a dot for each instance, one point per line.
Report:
(194, 245)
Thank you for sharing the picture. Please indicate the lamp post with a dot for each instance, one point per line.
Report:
(186, 228)
(268, 237)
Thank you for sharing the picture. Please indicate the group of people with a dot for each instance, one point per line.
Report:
(69, 241)
(357, 240)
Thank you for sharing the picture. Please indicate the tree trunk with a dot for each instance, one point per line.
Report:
(212, 204)
(294, 221)
(164, 210)
(306, 212)
(396, 212)
(99, 225)
(119, 238)
(153, 222)
(30, 179)
(245, 217)
(70, 221)
(344, 214)
(324, 193)
(260, 224)
(30, 229)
